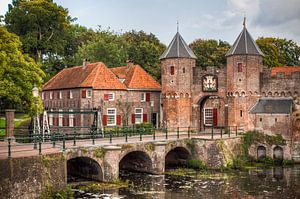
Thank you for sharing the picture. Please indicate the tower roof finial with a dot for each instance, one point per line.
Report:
(244, 22)
(177, 25)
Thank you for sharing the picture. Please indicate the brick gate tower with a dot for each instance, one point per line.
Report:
(244, 67)
(177, 64)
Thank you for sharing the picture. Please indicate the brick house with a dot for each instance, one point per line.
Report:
(126, 95)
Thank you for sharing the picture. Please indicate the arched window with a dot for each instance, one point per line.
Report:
(240, 67)
(172, 70)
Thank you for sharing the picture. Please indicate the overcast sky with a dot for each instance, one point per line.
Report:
(208, 19)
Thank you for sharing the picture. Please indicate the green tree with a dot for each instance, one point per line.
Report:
(18, 74)
(106, 47)
(41, 25)
(279, 51)
(145, 49)
(210, 52)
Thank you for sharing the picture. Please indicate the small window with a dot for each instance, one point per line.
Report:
(60, 95)
(143, 97)
(275, 119)
(60, 118)
(183, 70)
(111, 116)
(111, 97)
(51, 95)
(172, 70)
(138, 115)
(280, 74)
(240, 67)
(260, 119)
(89, 93)
(71, 94)
(71, 118)
(241, 113)
(51, 118)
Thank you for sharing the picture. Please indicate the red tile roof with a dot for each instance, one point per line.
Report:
(287, 70)
(136, 78)
(95, 75)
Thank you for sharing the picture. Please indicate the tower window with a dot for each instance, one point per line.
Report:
(241, 113)
(240, 67)
(183, 70)
(172, 70)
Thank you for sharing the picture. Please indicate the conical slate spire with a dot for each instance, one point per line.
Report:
(244, 45)
(178, 49)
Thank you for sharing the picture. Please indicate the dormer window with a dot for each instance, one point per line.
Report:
(121, 80)
(172, 70)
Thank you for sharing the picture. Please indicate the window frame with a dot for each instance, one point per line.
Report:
(111, 99)
(51, 95)
(205, 116)
(60, 95)
(110, 114)
(89, 93)
(135, 115)
(71, 118)
(71, 94)
(60, 118)
(51, 118)
(143, 97)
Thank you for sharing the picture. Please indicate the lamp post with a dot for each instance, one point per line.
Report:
(151, 105)
(36, 121)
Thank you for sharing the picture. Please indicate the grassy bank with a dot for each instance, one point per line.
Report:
(19, 120)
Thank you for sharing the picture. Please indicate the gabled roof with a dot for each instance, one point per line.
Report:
(95, 75)
(273, 106)
(178, 49)
(287, 70)
(136, 78)
(244, 45)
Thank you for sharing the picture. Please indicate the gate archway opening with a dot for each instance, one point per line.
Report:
(177, 157)
(138, 161)
(213, 112)
(83, 169)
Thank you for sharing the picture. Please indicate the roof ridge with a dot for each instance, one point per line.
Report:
(97, 72)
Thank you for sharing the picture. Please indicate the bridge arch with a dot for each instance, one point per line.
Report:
(137, 160)
(177, 156)
(84, 168)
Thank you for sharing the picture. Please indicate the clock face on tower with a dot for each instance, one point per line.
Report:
(210, 83)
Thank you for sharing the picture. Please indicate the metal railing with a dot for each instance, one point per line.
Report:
(64, 138)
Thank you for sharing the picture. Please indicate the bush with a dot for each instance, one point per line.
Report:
(196, 164)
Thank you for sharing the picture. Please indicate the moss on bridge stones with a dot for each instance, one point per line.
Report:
(125, 147)
(150, 147)
(99, 152)
(48, 160)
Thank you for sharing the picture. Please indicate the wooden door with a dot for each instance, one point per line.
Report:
(215, 117)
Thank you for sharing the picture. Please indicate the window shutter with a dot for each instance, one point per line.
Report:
(133, 119)
(104, 120)
(148, 97)
(83, 93)
(69, 94)
(57, 121)
(145, 118)
(106, 97)
(118, 119)
(57, 95)
(63, 121)
(74, 121)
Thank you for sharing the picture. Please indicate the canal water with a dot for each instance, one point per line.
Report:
(275, 182)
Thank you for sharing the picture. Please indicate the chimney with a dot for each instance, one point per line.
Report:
(84, 63)
(129, 63)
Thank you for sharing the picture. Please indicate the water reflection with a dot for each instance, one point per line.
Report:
(276, 182)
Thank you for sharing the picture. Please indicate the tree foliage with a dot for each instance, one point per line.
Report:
(106, 47)
(210, 52)
(18, 73)
(145, 49)
(41, 25)
(279, 51)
